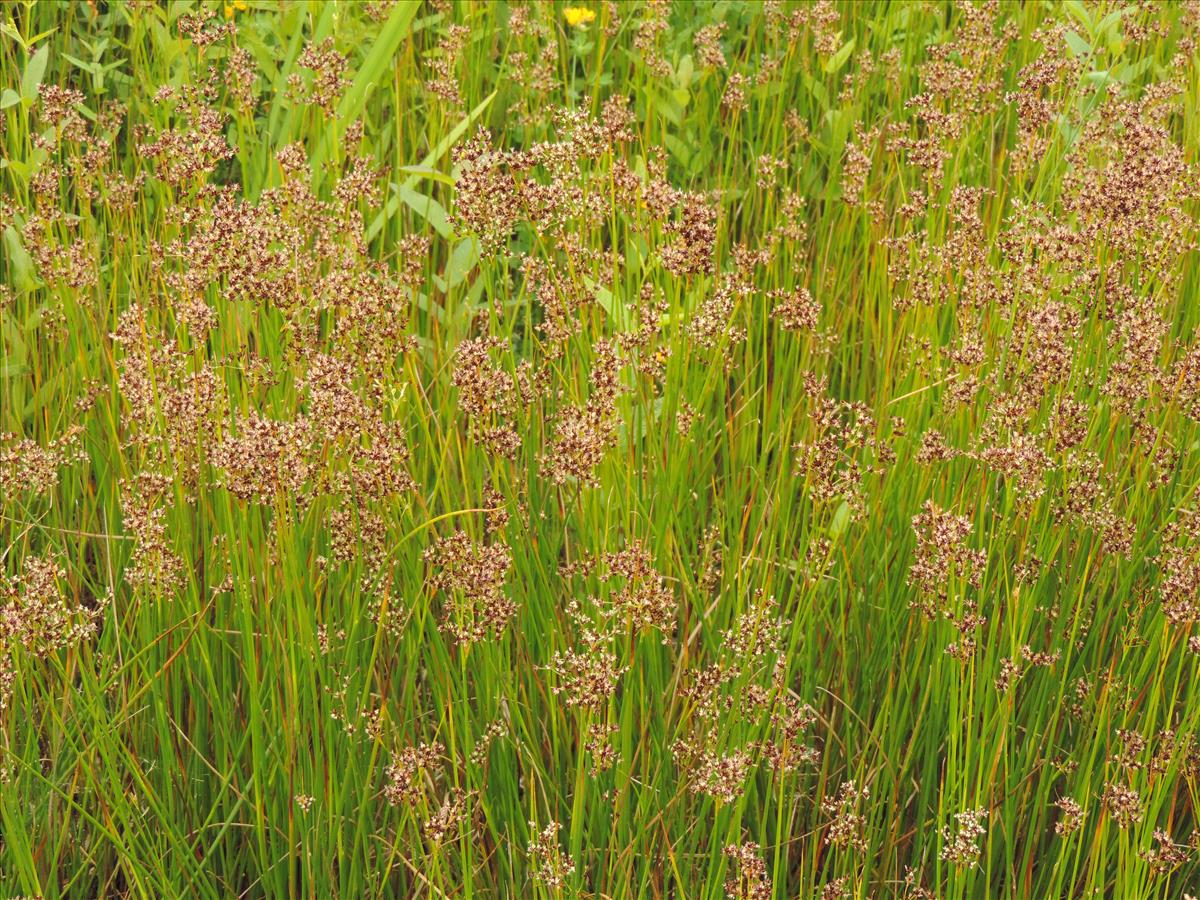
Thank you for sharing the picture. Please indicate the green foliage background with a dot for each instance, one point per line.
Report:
(163, 755)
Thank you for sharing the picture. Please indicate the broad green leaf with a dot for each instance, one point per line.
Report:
(1078, 45)
(20, 167)
(42, 34)
(427, 208)
(678, 148)
(34, 71)
(1127, 72)
(378, 60)
(615, 310)
(89, 67)
(16, 352)
(818, 90)
(427, 22)
(1082, 16)
(1066, 130)
(423, 303)
(19, 261)
(277, 122)
(9, 31)
(839, 58)
(263, 55)
(431, 157)
(1109, 22)
(841, 520)
(669, 109)
(428, 172)
(462, 260)
(683, 74)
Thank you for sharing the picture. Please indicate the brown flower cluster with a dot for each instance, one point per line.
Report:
(749, 880)
(941, 554)
(472, 576)
(961, 846)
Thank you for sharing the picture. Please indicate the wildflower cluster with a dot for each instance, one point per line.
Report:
(609, 449)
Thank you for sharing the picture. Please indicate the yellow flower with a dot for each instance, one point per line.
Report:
(238, 5)
(578, 16)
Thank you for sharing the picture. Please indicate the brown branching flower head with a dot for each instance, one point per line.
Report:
(1165, 856)
(490, 396)
(486, 203)
(1123, 803)
(266, 459)
(325, 85)
(589, 676)
(961, 846)
(444, 83)
(756, 637)
(690, 252)
(942, 554)
(27, 466)
(1071, 817)
(521, 411)
(643, 599)
(722, 776)
(472, 577)
(202, 30)
(154, 565)
(749, 879)
(59, 110)
(707, 42)
(39, 613)
(445, 823)
(796, 310)
(407, 771)
(583, 435)
(843, 448)
(846, 827)
(552, 867)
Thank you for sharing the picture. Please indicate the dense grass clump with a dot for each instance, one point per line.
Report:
(617, 450)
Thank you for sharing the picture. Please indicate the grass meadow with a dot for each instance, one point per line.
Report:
(603, 450)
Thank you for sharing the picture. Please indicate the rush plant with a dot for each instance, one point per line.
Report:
(599, 450)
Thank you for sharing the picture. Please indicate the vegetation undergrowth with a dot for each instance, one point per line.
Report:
(601, 450)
